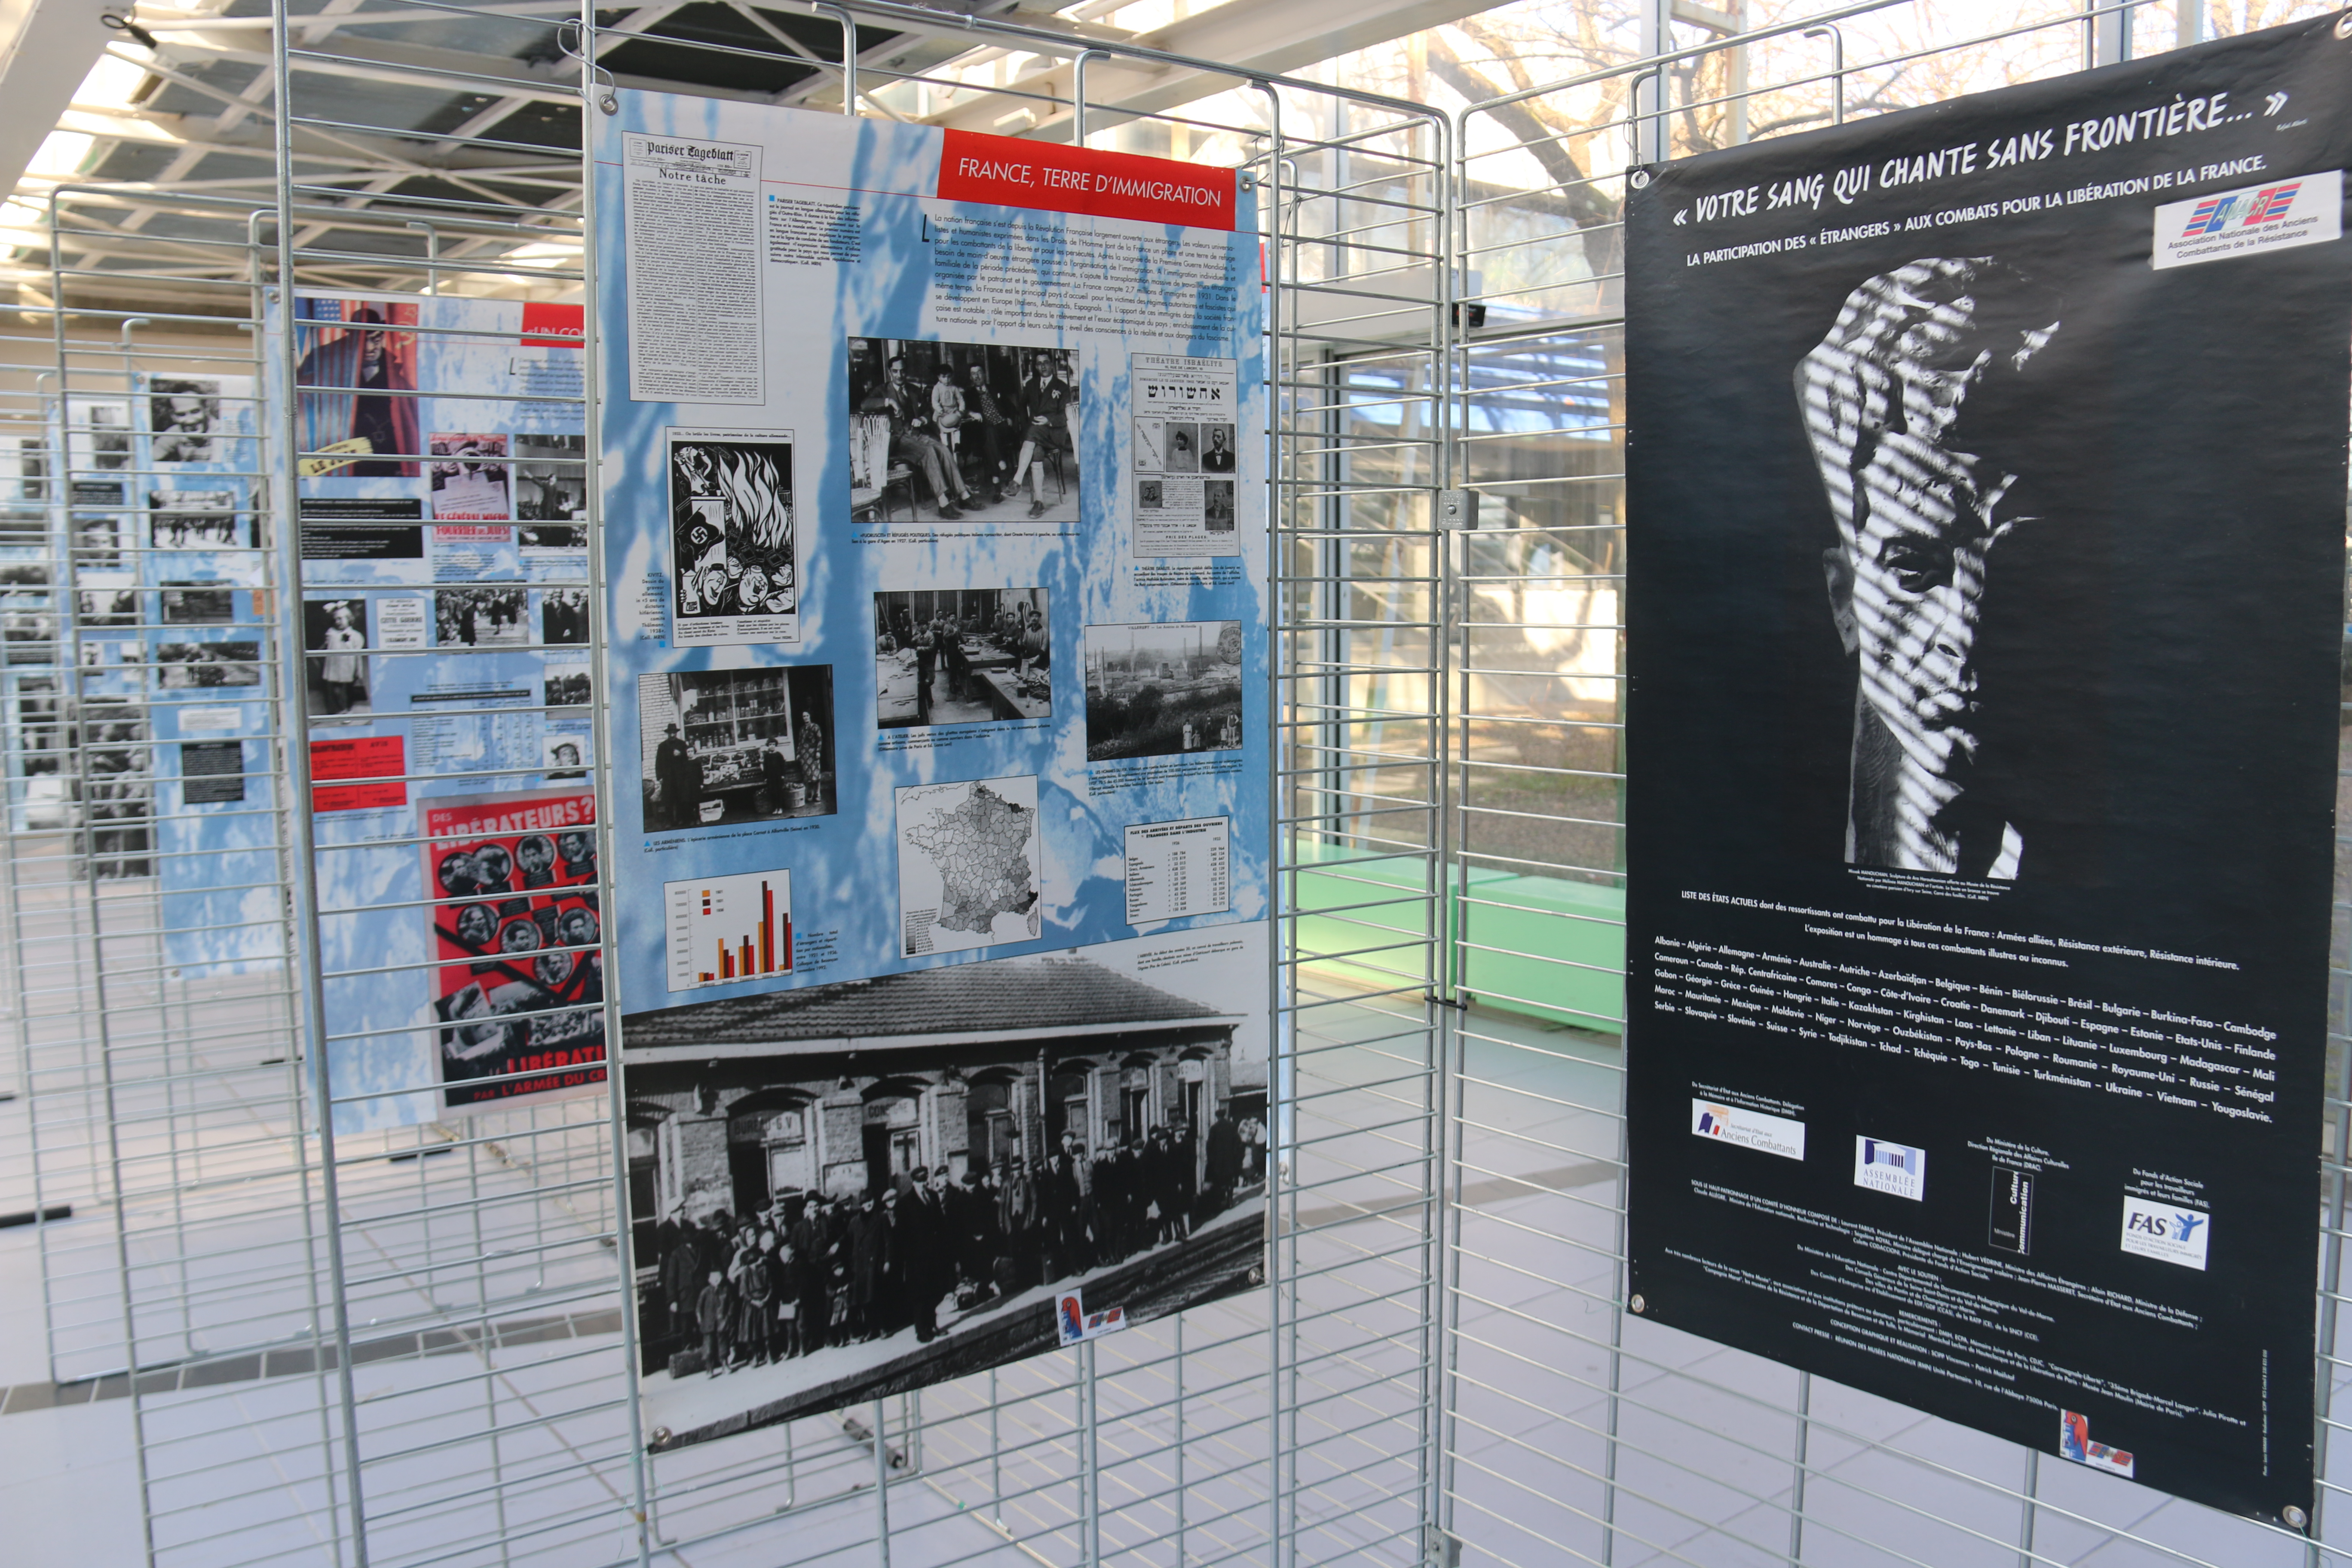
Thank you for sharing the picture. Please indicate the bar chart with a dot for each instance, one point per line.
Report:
(726, 930)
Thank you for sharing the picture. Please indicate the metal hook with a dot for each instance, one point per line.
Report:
(1078, 93)
(849, 52)
(567, 37)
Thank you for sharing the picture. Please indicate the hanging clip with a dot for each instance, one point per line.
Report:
(567, 39)
(129, 27)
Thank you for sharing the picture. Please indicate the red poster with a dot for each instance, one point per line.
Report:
(358, 757)
(553, 326)
(515, 932)
(1004, 170)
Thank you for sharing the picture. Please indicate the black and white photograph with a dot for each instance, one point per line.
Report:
(1217, 505)
(566, 688)
(335, 632)
(98, 538)
(481, 618)
(566, 754)
(1989, 664)
(550, 483)
(1162, 688)
(563, 614)
(472, 478)
(1216, 449)
(812, 1229)
(730, 746)
(102, 603)
(117, 787)
(184, 415)
(939, 431)
(194, 520)
(198, 604)
(962, 655)
(1147, 493)
(204, 665)
(734, 537)
(98, 436)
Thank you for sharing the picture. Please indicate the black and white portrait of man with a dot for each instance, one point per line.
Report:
(1918, 406)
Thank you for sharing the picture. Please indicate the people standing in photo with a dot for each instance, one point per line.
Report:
(926, 657)
(681, 1282)
(679, 778)
(871, 1235)
(809, 742)
(342, 678)
(1035, 646)
(773, 774)
(1225, 1157)
(711, 1318)
(948, 415)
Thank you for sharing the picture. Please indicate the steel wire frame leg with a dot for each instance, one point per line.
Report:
(591, 352)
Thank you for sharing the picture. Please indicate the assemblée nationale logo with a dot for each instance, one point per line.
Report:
(1900, 1169)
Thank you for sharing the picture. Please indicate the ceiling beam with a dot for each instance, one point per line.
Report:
(1249, 39)
(47, 48)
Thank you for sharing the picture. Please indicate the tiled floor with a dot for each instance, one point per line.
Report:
(1702, 1462)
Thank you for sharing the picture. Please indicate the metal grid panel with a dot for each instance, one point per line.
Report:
(415, 1347)
(1577, 1433)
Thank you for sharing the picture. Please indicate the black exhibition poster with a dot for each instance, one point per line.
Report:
(1987, 494)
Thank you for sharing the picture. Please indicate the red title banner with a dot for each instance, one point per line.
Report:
(1005, 171)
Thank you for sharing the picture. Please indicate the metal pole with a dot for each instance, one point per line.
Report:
(1275, 1022)
(848, 56)
(2026, 1520)
(591, 352)
(881, 1485)
(302, 887)
(1836, 35)
(1797, 1481)
(1078, 93)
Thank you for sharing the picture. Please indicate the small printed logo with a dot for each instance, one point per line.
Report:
(2012, 1228)
(2216, 214)
(1749, 1129)
(1074, 1324)
(1884, 1167)
(2305, 210)
(2166, 1231)
(2074, 1443)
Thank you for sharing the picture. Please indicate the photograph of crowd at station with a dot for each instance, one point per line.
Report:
(736, 745)
(943, 429)
(962, 655)
(814, 1229)
(1162, 688)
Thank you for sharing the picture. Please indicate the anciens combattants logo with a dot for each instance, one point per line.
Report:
(1749, 1129)
(2165, 1231)
(1885, 1167)
(2251, 220)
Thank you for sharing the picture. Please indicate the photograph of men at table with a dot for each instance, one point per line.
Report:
(961, 656)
